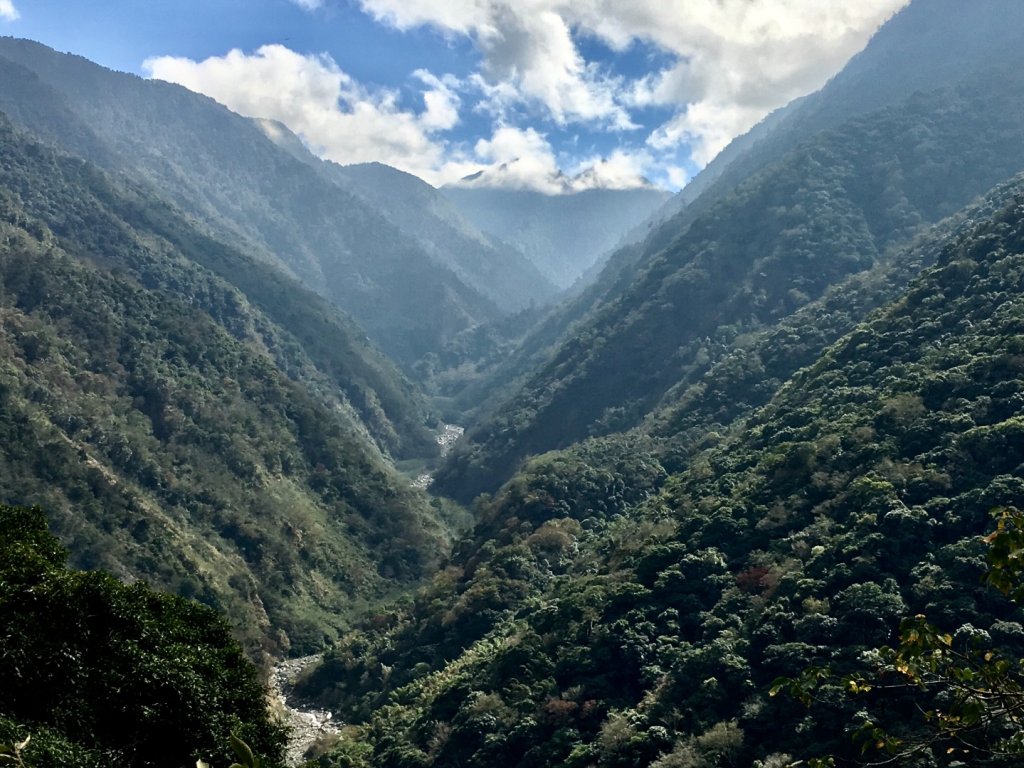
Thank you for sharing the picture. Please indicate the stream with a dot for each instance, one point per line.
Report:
(446, 438)
(305, 725)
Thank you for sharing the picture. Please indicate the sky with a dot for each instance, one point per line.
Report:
(632, 91)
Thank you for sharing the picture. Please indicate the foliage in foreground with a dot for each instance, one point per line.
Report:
(104, 674)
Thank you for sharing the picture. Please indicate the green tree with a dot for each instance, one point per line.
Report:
(940, 696)
(100, 672)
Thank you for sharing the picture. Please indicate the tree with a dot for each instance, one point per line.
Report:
(959, 696)
(101, 673)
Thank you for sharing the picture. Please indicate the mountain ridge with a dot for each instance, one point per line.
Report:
(246, 188)
(923, 160)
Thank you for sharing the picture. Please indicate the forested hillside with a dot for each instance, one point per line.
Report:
(193, 418)
(780, 422)
(602, 628)
(829, 208)
(225, 170)
(502, 274)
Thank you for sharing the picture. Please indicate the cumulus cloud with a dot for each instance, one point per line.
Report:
(622, 169)
(524, 159)
(8, 12)
(729, 63)
(342, 120)
(734, 60)
(338, 117)
(441, 101)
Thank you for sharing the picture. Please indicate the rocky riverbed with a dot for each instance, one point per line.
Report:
(446, 438)
(307, 724)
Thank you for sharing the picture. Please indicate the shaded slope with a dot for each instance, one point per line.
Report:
(564, 236)
(177, 431)
(781, 238)
(225, 170)
(928, 45)
(498, 272)
(855, 497)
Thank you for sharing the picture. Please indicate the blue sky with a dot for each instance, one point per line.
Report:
(522, 88)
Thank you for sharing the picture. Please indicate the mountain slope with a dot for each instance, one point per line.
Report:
(910, 53)
(638, 633)
(500, 273)
(562, 235)
(180, 433)
(749, 259)
(226, 171)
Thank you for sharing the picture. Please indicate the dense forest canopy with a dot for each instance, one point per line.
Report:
(751, 462)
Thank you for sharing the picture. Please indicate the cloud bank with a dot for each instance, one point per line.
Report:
(725, 64)
(735, 60)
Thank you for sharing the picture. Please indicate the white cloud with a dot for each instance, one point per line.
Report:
(8, 12)
(342, 120)
(537, 55)
(511, 157)
(338, 117)
(441, 102)
(524, 159)
(736, 60)
(706, 127)
(732, 62)
(622, 169)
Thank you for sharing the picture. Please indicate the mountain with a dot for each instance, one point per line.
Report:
(190, 416)
(563, 235)
(743, 258)
(909, 54)
(609, 612)
(499, 272)
(251, 186)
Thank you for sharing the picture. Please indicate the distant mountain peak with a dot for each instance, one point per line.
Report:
(516, 174)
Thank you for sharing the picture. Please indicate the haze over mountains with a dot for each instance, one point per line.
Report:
(277, 200)
(774, 424)
(564, 235)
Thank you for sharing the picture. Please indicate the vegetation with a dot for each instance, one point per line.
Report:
(273, 201)
(967, 693)
(649, 632)
(98, 673)
(782, 424)
(179, 433)
(831, 207)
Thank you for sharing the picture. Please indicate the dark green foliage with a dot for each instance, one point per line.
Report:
(798, 537)
(180, 432)
(524, 537)
(966, 689)
(829, 208)
(100, 673)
